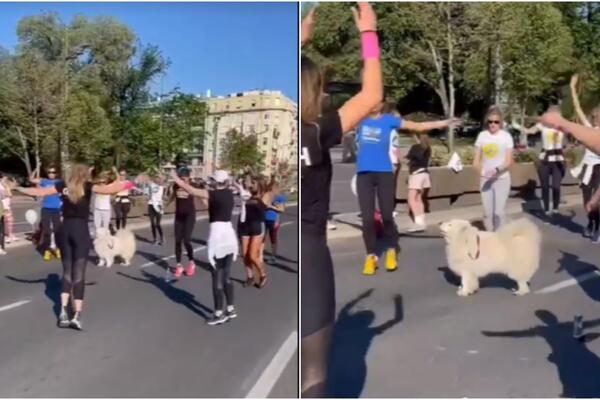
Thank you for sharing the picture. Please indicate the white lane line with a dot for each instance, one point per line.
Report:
(14, 305)
(271, 374)
(155, 262)
(569, 282)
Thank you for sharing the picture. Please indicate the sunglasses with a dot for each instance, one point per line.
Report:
(493, 122)
(52, 172)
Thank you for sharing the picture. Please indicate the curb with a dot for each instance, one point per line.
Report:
(349, 224)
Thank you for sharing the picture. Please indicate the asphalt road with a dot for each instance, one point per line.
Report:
(145, 338)
(408, 334)
(342, 198)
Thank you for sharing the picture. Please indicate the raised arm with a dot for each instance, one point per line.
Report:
(306, 27)
(112, 188)
(586, 135)
(398, 315)
(37, 191)
(576, 104)
(371, 93)
(427, 126)
(203, 193)
(531, 332)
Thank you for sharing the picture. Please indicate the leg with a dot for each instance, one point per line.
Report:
(126, 209)
(8, 224)
(523, 288)
(227, 284)
(544, 170)
(487, 200)
(412, 193)
(2, 245)
(246, 258)
(46, 230)
(152, 216)
(254, 250)
(158, 227)
(366, 201)
(501, 193)
(179, 230)
(466, 284)
(558, 172)
(190, 221)
(386, 198)
(217, 285)
(118, 214)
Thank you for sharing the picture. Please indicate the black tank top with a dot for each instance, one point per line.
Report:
(220, 205)
(255, 211)
(81, 209)
(184, 202)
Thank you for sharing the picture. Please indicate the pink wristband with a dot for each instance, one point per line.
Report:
(128, 184)
(370, 45)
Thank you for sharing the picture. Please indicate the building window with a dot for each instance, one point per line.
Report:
(266, 116)
(253, 104)
(266, 127)
(265, 141)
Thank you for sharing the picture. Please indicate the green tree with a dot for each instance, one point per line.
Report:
(239, 152)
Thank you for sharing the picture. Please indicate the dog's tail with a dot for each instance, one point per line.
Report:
(523, 240)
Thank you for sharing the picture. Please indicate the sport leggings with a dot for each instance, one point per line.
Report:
(50, 224)
(74, 243)
(587, 192)
(155, 218)
(494, 195)
(380, 185)
(121, 212)
(222, 285)
(555, 171)
(2, 232)
(184, 226)
(317, 312)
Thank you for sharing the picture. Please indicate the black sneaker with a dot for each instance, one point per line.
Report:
(76, 323)
(230, 313)
(217, 319)
(160, 242)
(63, 320)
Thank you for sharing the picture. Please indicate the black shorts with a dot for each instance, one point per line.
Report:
(318, 285)
(251, 228)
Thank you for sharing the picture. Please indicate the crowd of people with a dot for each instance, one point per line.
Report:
(68, 203)
(376, 180)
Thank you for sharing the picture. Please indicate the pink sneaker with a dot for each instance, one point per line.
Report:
(178, 271)
(191, 267)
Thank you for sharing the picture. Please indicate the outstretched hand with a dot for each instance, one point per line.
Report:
(307, 25)
(552, 118)
(364, 18)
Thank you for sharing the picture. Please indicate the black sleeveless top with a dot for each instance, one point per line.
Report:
(184, 202)
(220, 205)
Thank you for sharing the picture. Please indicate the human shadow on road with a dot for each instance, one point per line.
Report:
(577, 268)
(490, 281)
(143, 239)
(159, 261)
(281, 267)
(201, 242)
(577, 365)
(53, 287)
(351, 340)
(173, 293)
(560, 220)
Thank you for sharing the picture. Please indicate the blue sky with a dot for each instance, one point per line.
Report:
(224, 47)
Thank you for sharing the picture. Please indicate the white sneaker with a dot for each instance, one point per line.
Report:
(395, 214)
(596, 238)
(331, 226)
(416, 228)
(2, 252)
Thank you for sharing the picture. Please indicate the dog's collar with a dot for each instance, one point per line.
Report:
(478, 250)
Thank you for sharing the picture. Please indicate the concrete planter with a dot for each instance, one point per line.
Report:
(450, 189)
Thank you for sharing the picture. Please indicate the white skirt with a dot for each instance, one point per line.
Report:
(222, 241)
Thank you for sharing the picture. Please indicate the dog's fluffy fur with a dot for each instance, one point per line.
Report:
(513, 250)
(107, 246)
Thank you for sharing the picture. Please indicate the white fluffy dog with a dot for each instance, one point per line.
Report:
(513, 250)
(107, 246)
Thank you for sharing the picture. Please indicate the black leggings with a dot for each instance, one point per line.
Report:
(184, 226)
(370, 185)
(50, 223)
(551, 170)
(121, 212)
(2, 232)
(317, 312)
(222, 285)
(74, 243)
(155, 218)
(588, 191)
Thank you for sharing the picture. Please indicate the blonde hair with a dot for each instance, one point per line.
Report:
(78, 176)
(494, 110)
(311, 88)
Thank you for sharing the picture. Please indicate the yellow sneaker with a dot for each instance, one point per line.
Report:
(47, 255)
(57, 254)
(370, 265)
(391, 262)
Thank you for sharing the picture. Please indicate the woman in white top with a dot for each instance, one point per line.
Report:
(551, 166)
(155, 191)
(493, 158)
(588, 171)
(102, 208)
(122, 203)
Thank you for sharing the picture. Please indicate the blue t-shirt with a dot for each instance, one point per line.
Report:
(53, 201)
(373, 138)
(272, 215)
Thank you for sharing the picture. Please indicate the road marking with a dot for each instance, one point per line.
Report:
(14, 305)
(271, 374)
(569, 282)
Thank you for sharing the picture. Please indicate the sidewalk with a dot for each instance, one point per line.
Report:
(350, 225)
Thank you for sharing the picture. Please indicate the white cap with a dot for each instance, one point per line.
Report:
(220, 176)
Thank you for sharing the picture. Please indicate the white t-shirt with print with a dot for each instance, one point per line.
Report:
(102, 201)
(493, 150)
(552, 139)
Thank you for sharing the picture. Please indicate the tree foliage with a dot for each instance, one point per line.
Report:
(238, 151)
